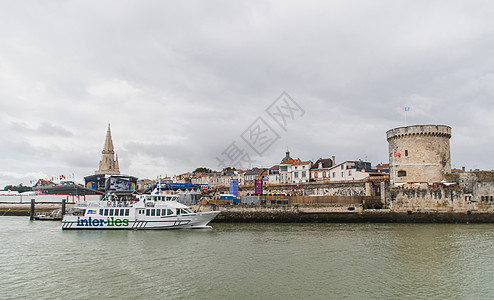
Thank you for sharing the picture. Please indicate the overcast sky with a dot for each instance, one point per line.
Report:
(180, 81)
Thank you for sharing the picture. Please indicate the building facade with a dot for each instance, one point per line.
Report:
(350, 170)
(419, 154)
(320, 169)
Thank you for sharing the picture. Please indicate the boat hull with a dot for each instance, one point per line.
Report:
(195, 221)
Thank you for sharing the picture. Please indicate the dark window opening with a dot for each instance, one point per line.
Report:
(402, 173)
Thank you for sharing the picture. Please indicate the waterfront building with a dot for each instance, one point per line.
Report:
(382, 168)
(108, 164)
(144, 184)
(255, 173)
(286, 170)
(301, 171)
(419, 154)
(274, 175)
(201, 179)
(183, 178)
(350, 170)
(320, 169)
(241, 176)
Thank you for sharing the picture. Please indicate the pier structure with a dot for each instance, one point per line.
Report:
(419, 154)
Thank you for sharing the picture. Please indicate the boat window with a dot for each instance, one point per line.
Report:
(152, 212)
(147, 212)
(122, 211)
(126, 212)
(111, 212)
(106, 212)
(163, 212)
(188, 210)
(169, 212)
(101, 212)
(158, 211)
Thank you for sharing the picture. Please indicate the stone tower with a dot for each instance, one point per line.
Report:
(419, 153)
(109, 162)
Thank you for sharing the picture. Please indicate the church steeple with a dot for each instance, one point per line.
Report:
(108, 163)
(287, 157)
(108, 149)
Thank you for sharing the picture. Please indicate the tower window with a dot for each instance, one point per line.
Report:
(402, 173)
(406, 152)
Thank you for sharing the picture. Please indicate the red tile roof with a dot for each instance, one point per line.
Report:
(289, 162)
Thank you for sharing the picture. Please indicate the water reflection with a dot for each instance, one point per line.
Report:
(246, 261)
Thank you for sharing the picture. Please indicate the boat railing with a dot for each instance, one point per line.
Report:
(119, 203)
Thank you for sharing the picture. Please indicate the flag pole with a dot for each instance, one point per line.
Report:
(407, 108)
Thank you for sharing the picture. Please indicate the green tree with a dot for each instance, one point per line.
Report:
(229, 169)
(20, 188)
(202, 170)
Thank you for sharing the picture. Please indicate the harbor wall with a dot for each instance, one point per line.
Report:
(19, 199)
(297, 214)
(346, 188)
(468, 192)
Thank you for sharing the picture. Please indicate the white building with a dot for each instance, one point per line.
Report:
(350, 170)
(301, 171)
(286, 171)
(274, 175)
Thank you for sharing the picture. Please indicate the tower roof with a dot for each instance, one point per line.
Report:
(108, 148)
(108, 163)
(287, 157)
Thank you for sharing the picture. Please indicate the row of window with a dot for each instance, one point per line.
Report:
(114, 212)
(156, 212)
(159, 212)
(334, 174)
(487, 198)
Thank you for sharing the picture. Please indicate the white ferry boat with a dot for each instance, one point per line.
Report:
(147, 212)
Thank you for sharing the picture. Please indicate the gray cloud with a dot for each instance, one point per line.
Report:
(180, 81)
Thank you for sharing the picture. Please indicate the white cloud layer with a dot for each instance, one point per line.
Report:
(180, 81)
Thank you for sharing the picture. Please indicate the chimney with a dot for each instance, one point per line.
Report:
(334, 160)
(463, 169)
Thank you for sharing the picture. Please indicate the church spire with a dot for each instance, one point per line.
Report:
(108, 148)
(108, 163)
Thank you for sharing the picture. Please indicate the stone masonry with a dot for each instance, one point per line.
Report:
(419, 153)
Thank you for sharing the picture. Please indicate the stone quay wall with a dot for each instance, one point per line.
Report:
(331, 214)
(347, 188)
(469, 192)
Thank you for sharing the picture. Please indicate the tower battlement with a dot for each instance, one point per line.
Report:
(419, 130)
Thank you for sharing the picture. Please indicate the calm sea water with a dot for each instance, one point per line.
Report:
(248, 261)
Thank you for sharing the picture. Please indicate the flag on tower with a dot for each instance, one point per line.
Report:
(407, 108)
